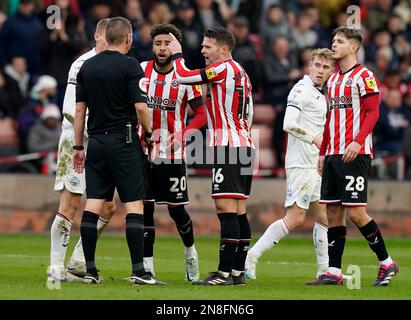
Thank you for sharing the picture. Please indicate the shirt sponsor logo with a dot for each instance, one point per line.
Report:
(340, 99)
(160, 82)
(161, 103)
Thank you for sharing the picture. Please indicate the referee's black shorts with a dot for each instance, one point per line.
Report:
(112, 163)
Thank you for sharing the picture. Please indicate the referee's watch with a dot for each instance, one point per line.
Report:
(78, 147)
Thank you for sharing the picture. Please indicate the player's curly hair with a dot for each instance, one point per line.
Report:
(166, 28)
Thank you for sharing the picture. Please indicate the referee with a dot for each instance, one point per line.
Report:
(111, 86)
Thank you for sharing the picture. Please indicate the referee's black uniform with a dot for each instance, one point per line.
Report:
(109, 85)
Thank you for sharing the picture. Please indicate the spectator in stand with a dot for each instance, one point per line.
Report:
(281, 71)
(392, 81)
(45, 134)
(18, 36)
(17, 83)
(142, 50)
(192, 34)
(382, 62)
(132, 11)
(160, 13)
(3, 18)
(276, 25)
(377, 16)
(9, 144)
(395, 25)
(212, 13)
(99, 9)
(406, 146)
(42, 94)
(6, 107)
(60, 47)
(390, 129)
(402, 46)
(245, 53)
(303, 34)
(323, 37)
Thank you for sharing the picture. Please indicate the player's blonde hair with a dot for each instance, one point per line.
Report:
(323, 53)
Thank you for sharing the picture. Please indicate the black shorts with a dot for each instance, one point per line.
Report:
(112, 163)
(345, 183)
(232, 172)
(167, 183)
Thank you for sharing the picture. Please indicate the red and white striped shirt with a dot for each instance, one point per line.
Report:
(230, 109)
(167, 103)
(347, 114)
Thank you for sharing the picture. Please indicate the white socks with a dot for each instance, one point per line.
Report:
(334, 271)
(78, 253)
(274, 233)
(148, 263)
(190, 252)
(60, 236)
(320, 239)
(387, 261)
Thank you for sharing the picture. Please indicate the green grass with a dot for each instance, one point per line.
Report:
(281, 272)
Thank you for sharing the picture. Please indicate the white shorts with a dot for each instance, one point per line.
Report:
(303, 187)
(66, 177)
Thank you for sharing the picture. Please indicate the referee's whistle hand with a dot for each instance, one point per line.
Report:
(174, 45)
(78, 160)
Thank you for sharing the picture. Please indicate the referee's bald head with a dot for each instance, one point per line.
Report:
(117, 30)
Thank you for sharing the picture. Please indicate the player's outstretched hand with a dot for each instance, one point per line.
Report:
(78, 160)
(174, 45)
(351, 152)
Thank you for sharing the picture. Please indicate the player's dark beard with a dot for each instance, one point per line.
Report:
(164, 63)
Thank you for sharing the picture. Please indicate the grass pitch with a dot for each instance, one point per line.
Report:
(281, 272)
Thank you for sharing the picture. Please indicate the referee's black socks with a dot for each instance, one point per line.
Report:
(183, 224)
(135, 240)
(88, 231)
(229, 239)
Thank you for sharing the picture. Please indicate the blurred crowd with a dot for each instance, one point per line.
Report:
(274, 40)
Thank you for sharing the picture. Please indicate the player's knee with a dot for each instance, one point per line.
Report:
(295, 217)
(224, 207)
(69, 209)
(357, 215)
(109, 209)
(178, 214)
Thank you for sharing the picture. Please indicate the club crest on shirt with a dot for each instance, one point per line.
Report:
(348, 83)
(370, 81)
(210, 73)
(175, 83)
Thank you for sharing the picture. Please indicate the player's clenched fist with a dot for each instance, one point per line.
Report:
(174, 45)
